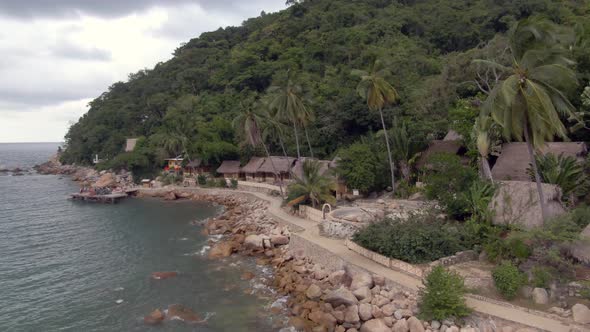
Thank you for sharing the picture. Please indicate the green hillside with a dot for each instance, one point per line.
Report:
(187, 103)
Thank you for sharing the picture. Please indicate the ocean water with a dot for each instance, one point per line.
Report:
(64, 264)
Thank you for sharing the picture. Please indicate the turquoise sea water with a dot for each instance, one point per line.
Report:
(64, 264)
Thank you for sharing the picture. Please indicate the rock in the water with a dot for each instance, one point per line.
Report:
(119, 301)
(540, 296)
(247, 275)
(178, 311)
(170, 196)
(221, 250)
(313, 292)
(375, 325)
(164, 275)
(341, 296)
(365, 311)
(360, 279)
(415, 324)
(400, 326)
(254, 241)
(581, 314)
(155, 317)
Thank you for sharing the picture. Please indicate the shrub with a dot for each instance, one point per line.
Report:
(170, 178)
(580, 216)
(419, 239)
(564, 171)
(363, 167)
(542, 276)
(202, 179)
(234, 183)
(447, 180)
(443, 296)
(221, 183)
(508, 279)
(478, 198)
(511, 248)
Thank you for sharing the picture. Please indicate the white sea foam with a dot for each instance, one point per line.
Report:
(119, 289)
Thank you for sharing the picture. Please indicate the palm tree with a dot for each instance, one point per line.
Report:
(248, 124)
(481, 131)
(288, 105)
(529, 102)
(312, 186)
(401, 143)
(379, 93)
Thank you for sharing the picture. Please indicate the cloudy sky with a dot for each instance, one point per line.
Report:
(57, 55)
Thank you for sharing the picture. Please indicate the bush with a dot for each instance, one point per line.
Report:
(511, 248)
(580, 216)
(478, 199)
(363, 167)
(202, 179)
(234, 183)
(221, 183)
(419, 239)
(542, 276)
(170, 178)
(447, 180)
(508, 279)
(564, 171)
(443, 296)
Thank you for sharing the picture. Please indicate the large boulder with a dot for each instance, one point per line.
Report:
(178, 311)
(375, 325)
(254, 241)
(401, 326)
(415, 324)
(581, 314)
(517, 203)
(341, 296)
(106, 180)
(155, 317)
(313, 292)
(221, 250)
(540, 296)
(359, 279)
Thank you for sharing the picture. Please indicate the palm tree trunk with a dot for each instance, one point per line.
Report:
(536, 171)
(391, 165)
(485, 165)
(274, 169)
(308, 141)
(297, 140)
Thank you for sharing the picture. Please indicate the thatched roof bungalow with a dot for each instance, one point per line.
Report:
(280, 165)
(197, 166)
(229, 169)
(297, 169)
(514, 158)
(440, 146)
(250, 170)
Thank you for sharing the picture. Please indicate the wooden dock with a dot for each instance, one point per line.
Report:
(110, 198)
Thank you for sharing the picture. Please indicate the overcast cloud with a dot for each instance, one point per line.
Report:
(58, 55)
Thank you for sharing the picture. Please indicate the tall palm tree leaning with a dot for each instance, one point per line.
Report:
(481, 131)
(248, 124)
(288, 105)
(529, 102)
(379, 93)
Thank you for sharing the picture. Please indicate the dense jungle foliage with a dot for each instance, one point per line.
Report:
(187, 104)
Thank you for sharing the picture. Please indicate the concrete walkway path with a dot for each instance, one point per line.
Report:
(310, 232)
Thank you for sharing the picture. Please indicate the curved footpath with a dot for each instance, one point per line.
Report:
(309, 231)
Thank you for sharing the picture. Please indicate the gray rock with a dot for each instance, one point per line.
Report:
(360, 279)
(388, 310)
(526, 292)
(375, 325)
(352, 314)
(313, 292)
(336, 278)
(341, 296)
(400, 326)
(363, 293)
(415, 324)
(581, 314)
(365, 311)
(253, 241)
(540, 296)
(435, 325)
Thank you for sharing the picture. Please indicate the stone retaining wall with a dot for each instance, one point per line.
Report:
(338, 229)
(258, 187)
(419, 271)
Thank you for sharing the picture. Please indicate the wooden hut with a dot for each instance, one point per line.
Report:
(174, 164)
(514, 158)
(250, 170)
(230, 169)
(281, 165)
(196, 167)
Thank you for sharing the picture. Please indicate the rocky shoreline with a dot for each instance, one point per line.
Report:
(319, 300)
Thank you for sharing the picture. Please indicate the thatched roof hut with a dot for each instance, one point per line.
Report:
(439, 146)
(297, 169)
(282, 165)
(253, 165)
(194, 163)
(514, 159)
(229, 167)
